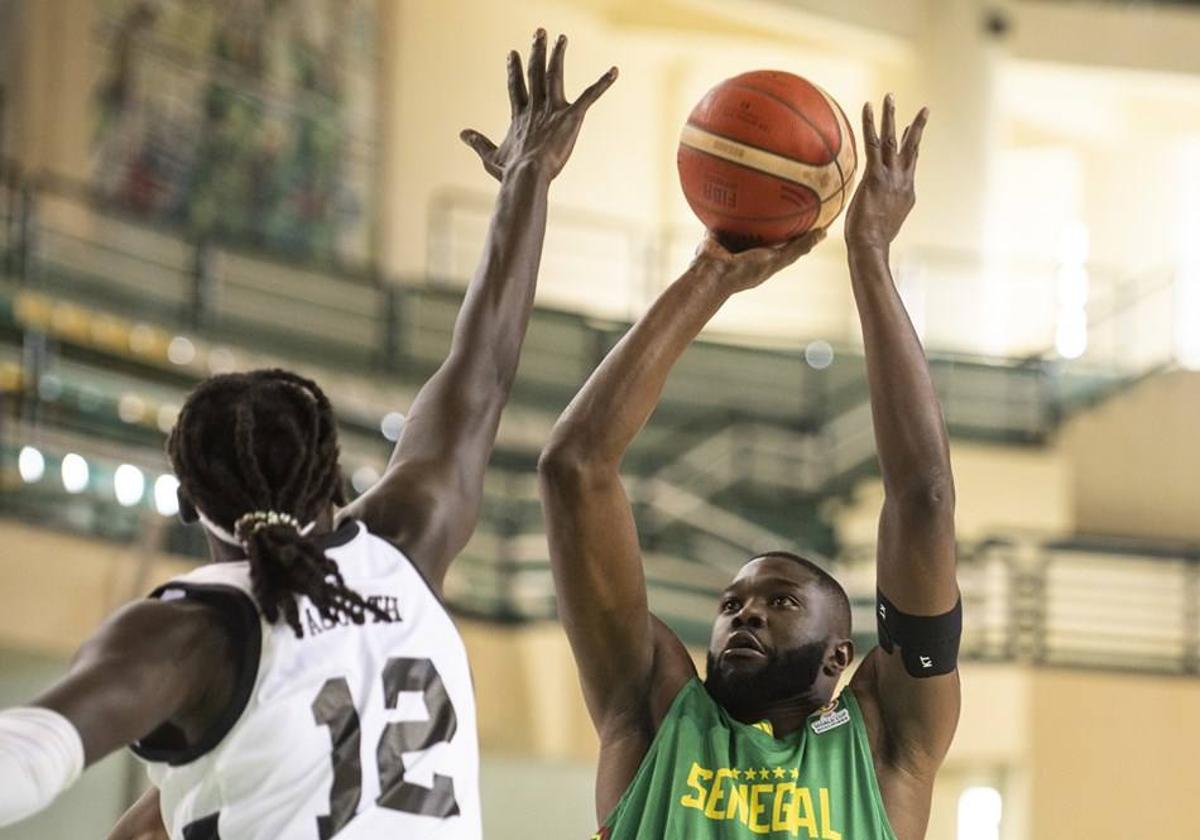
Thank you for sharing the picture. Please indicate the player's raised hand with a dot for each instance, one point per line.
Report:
(886, 194)
(544, 125)
(746, 269)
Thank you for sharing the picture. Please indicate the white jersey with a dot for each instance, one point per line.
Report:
(353, 731)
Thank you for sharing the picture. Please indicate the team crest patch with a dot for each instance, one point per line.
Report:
(830, 717)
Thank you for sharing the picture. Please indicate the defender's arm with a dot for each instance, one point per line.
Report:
(429, 498)
(149, 663)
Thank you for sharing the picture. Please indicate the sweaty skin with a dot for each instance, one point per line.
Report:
(631, 665)
(153, 662)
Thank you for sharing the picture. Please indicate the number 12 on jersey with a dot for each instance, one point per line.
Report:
(334, 708)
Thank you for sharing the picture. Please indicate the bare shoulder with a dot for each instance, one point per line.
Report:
(673, 669)
(905, 784)
(153, 626)
(627, 737)
(864, 683)
(150, 662)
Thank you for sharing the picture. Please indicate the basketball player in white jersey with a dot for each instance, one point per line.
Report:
(308, 683)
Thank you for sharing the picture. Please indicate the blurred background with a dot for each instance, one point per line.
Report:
(191, 187)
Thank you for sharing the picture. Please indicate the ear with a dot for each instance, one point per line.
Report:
(187, 510)
(839, 657)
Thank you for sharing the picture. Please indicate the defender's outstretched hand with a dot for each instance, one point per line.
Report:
(886, 194)
(544, 125)
(747, 269)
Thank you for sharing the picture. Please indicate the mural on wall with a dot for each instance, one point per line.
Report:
(250, 121)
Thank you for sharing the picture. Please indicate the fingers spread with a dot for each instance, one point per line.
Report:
(889, 130)
(912, 139)
(537, 70)
(483, 147)
(518, 97)
(870, 136)
(554, 73)
(596, 90)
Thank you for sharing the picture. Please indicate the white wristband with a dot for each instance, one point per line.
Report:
(41, 755)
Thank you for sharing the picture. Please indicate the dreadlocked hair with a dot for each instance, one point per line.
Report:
(266, 440)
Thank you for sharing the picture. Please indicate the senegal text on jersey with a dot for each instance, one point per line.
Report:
(767, 801)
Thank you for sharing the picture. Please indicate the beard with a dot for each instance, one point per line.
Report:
(788, 675)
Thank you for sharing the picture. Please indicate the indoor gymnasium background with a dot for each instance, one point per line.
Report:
(195, 187)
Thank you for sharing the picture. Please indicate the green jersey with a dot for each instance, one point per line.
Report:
(707, 776)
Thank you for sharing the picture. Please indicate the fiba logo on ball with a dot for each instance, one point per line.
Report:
(721, 193)
(766, 156)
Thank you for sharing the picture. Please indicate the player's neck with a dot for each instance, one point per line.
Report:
(785, 716)
(222, 552)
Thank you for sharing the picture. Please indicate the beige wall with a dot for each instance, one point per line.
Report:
(623, 167)
(1115, 756)
(1136, 459)
(51, 122)
(1108, 35)
(529, 698)
(998, 488)
(58, 588)
(446, 72)
(1076, 754)
(1126, 467)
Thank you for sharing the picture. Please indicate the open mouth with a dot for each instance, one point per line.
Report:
(743, 643)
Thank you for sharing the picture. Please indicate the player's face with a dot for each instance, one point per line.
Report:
(772, 629)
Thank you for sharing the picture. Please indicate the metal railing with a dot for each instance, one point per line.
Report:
(963, 303)
(81, 280)
(1098, 604)
(731, 415)
(63, 241)
(1026, 600)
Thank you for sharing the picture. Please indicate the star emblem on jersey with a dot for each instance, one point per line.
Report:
(779, 773)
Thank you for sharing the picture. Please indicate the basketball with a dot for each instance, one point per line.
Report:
(766, 156)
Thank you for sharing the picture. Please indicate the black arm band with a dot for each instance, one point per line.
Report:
(928, 644)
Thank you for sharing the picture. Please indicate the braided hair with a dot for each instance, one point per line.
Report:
(266, 440)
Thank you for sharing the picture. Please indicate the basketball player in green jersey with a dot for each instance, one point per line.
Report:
(763, 746)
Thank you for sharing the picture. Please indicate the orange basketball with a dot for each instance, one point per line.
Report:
(766, 156)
